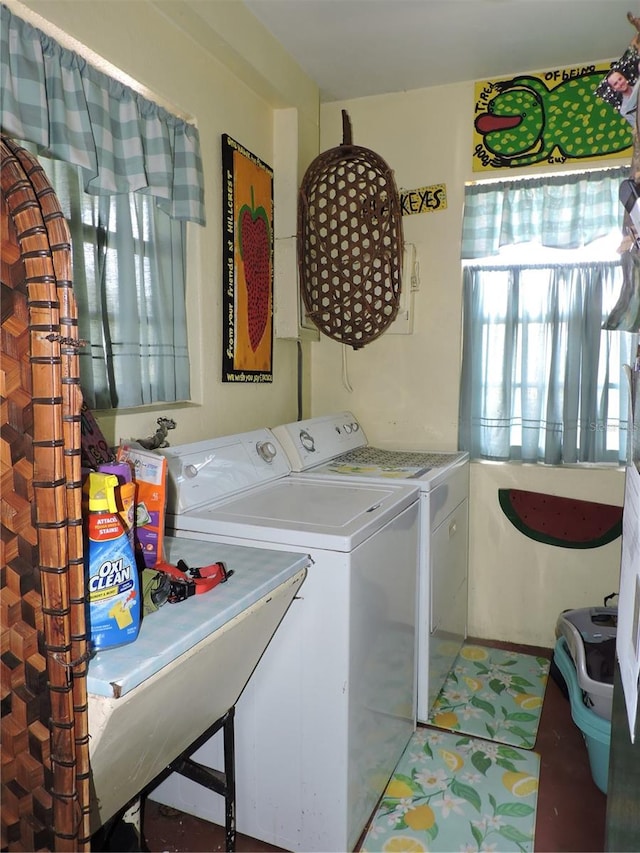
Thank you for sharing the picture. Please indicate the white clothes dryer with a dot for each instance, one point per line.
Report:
(335, 448)
(329, 709)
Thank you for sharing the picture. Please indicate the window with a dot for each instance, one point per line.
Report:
(129, 176)
(542, 380)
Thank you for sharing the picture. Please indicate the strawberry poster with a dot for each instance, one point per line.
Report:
(247, 265)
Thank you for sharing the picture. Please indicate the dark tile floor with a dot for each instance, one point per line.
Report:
(571, 809)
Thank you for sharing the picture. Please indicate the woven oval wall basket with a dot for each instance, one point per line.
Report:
(350, 242)
(45, 737)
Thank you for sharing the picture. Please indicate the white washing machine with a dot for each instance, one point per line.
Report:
(335, 448)
(329, 709)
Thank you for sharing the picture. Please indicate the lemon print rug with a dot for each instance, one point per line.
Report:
(493, 693)
(451, 792)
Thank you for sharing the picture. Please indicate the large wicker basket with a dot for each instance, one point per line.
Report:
(45, 738)
(350, 243)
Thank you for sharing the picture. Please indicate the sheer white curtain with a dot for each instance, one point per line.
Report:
(129, 282)
(541, 380)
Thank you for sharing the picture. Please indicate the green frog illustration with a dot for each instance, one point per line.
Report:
(527, 122)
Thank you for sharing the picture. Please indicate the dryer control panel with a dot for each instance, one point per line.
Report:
(318, 440)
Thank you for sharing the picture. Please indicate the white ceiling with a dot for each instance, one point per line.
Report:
(354, 48)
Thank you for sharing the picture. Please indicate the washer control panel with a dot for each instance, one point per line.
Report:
(206, 471)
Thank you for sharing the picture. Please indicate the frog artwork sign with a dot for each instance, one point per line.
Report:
(247, 340)
(550, 117)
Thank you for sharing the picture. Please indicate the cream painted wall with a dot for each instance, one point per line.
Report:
(404, 388)
(517, 587)
(229, 76)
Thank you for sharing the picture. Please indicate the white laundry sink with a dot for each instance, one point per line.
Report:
(150, 700)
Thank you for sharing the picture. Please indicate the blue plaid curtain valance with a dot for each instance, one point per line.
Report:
(124, 143)
(562, 211)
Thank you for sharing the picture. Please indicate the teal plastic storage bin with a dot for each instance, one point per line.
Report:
(595, 730)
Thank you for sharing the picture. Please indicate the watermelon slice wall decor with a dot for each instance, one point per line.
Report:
(564, 522)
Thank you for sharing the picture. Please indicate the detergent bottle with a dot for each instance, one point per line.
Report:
(125, 493)
(113, 585)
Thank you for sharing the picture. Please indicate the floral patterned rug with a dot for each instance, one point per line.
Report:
(450, 792)
(493, 693)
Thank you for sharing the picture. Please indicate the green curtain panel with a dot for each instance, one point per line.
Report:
(121, 141)
(561, 211)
